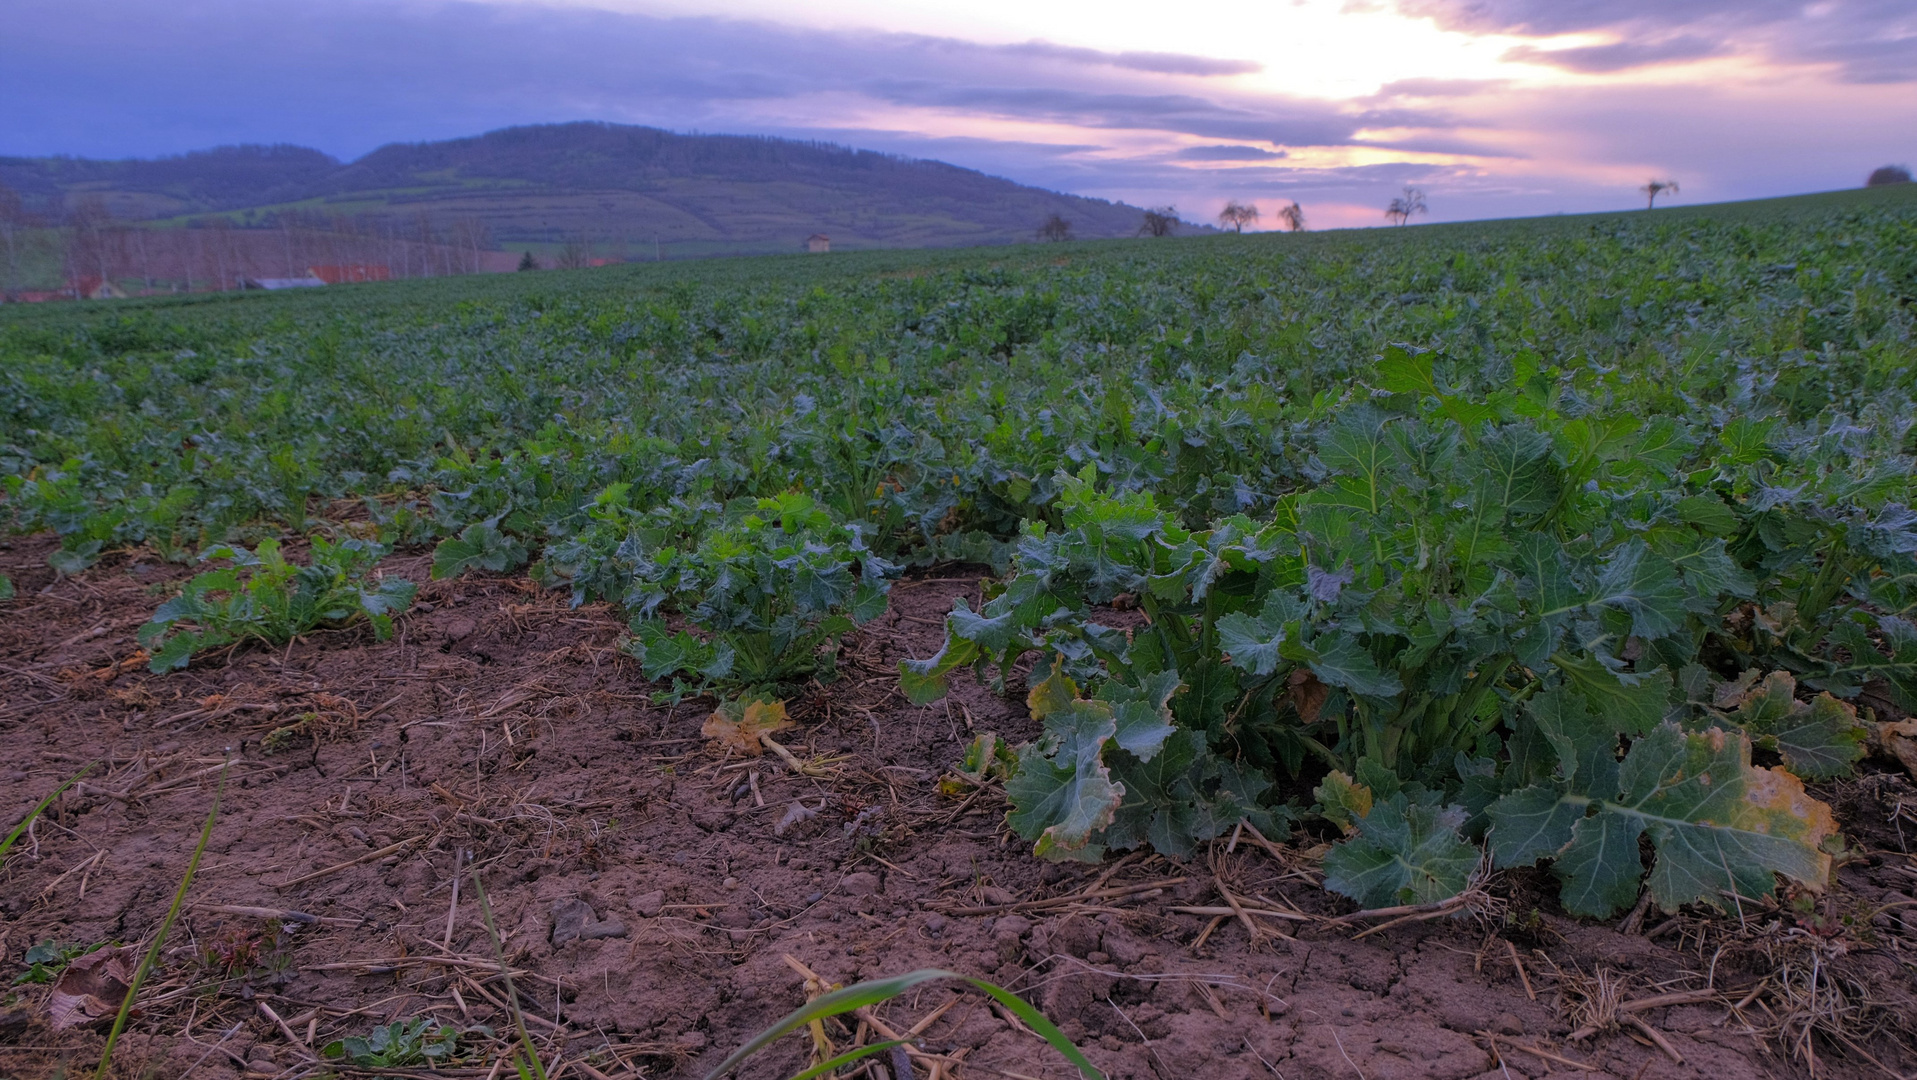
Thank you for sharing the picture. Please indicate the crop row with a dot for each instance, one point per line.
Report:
(1533, 533)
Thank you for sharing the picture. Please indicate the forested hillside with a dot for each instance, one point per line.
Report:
(627, 191)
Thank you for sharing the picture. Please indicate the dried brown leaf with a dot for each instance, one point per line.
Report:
(737, 725)
(1899, 740)
(1307, 694)
(91, 988)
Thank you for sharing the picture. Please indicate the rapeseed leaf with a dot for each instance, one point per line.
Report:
(1721, 829)
(1407, 851)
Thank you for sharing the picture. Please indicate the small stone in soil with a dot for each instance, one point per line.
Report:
(573, 920)
(649, 904)
(1508, 1024)
(860, 884)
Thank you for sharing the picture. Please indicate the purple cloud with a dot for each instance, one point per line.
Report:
(1620, 56)
(1228, 153)
(1868, 41)
(1160, 62)
(1437, 88)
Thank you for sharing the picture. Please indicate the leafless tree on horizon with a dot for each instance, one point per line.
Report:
(1159, 221)
(1293, 216)
(1405, 205)
(576, 254)
(13, 218)
(1655, 188)
(87, 224)
(1055, 230)
(1237, 215)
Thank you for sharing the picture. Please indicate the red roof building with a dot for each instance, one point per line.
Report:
(348, 272)
(93, 288)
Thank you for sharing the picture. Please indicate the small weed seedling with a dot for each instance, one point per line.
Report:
(398, 1045)
(245, 952)
(48, 959)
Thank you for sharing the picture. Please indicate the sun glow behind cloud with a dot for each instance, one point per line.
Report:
(1319, 48)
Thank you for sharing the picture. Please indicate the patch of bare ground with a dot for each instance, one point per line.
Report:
(648, 890)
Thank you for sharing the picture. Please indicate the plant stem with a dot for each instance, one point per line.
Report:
(512, 995)
(166, 925)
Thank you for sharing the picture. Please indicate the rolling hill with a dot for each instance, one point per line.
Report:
(615, 187)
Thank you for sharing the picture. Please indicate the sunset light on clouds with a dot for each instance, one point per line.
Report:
(1493, 107)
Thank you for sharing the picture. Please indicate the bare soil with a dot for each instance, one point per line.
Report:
(502, 727)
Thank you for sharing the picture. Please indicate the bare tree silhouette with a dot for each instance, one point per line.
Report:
(1055, 230)
(1237, 215)
(576, 254)
(13, 218)
(1405, 205)
(89, 225)
(1159, 221)
(1293, 216)
(1653, 189)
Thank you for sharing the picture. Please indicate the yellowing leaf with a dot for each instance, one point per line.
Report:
(1056, 691)
(1783, 808)
(1722, 829)
(1345, 801)
(737, 725)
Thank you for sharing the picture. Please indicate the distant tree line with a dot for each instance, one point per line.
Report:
(1888, 174)
(215, 253)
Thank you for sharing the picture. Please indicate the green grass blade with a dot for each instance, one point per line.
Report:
(532, 1068)
(847, 1058)
(166, 925)
(27, 822)
(1037, 1022)
(832, 1004)
(878, 990)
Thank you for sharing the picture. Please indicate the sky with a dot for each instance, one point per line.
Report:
(1493, 108)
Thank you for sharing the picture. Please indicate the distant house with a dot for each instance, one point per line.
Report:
(818, 243)
(93, 288)
(277, 283)
(350, 272)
